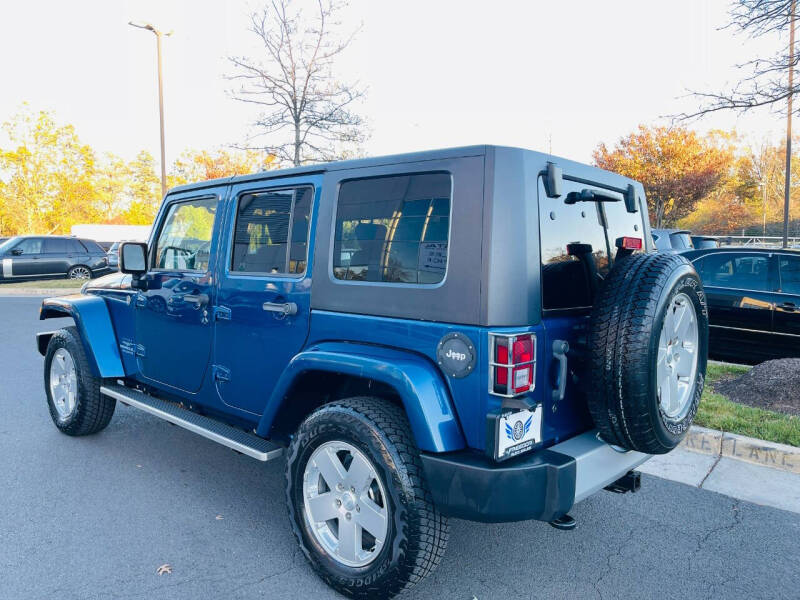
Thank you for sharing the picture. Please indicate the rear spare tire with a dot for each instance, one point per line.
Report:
(649, 344)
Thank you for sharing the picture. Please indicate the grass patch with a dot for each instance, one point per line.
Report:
(717, 412)
(46, 284)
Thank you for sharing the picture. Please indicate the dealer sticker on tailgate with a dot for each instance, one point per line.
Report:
(518, 432)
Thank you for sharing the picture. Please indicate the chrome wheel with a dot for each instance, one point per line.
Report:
(676, 367)
(63, 383)
(80, 273)
(346, 507)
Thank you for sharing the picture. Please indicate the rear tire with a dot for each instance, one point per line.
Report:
(73, 394)
(79, 272)
(415, 536)
(649, 343)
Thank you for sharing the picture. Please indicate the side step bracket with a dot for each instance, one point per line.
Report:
(236, 439)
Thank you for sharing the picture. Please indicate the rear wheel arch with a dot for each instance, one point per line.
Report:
(315, 388)
(329, 371)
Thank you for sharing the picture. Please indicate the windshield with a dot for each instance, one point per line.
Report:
(7, 244)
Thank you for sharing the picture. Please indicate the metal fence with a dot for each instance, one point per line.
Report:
(757, 241)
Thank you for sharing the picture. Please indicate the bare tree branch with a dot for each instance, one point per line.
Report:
(294, 84)
(764, 83)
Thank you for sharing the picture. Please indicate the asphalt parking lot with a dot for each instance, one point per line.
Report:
(95, 517)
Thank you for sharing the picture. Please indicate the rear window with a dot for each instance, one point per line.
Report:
(55, 246)
(576, 248)
(92, 246)
(393, 229)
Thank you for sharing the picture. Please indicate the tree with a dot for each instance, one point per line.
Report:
(676, 167)
(48, 176)
(144, 190)
(202, 165)
(307, 114)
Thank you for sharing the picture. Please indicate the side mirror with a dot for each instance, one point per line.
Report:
(16, 252)
(133, 258)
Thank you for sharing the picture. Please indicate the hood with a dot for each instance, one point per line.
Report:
(112, 281)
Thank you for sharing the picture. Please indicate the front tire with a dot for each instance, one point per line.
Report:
(358, 501)
(73, 394)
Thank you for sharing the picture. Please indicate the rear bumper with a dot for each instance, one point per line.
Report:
(542, 485)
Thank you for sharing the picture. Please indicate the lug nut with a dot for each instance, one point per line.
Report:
(347, 516)
(352, 489)
(358, 508)
(338, 502)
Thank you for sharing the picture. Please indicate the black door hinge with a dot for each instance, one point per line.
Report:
(222, 313)
(221, 373)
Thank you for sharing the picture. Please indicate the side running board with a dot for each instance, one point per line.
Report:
(236, 439)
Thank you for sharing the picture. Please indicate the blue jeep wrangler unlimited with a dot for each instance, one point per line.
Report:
(481, 332)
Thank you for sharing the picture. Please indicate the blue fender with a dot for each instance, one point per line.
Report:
(416, 380)
(93, 321)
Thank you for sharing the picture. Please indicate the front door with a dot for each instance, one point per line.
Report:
(739, 289)
(173, 315)
(263, 311)
(24, 259)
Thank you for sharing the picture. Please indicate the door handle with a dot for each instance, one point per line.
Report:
(197, 299)
(284, 308)
(788, 306)
(560, 349)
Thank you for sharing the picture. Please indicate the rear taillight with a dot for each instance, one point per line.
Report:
(512, 363)
(629, 243)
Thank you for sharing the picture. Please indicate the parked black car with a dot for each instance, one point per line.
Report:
(753, 302)
(672, 239)
(31, 257)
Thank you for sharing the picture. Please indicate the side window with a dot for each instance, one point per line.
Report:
(393, 229)
(30, 246)
(184, 241)
(55, 246)
(271, 232)
(572, 238)
(738, 271)
(790, 274)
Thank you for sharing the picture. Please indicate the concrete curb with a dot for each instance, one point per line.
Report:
(38, 291)
(743, 448)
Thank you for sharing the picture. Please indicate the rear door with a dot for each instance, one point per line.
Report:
(264, 293)
(787, 306)
(54, 259)
(578, 248)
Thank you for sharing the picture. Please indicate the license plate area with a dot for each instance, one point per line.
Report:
(515, 432)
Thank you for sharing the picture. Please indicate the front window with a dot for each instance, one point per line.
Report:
(29, 246)
(393, 229)
(184, 243)
(737, 271)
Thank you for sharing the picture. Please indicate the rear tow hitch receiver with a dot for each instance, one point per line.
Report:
(565, 523)
(630, 482)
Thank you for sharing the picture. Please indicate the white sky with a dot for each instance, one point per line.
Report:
(440, 73)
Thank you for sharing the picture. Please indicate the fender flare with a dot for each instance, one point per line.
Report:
(420, 385)
(93, 321)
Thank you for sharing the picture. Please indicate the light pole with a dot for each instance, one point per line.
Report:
(160, 98)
